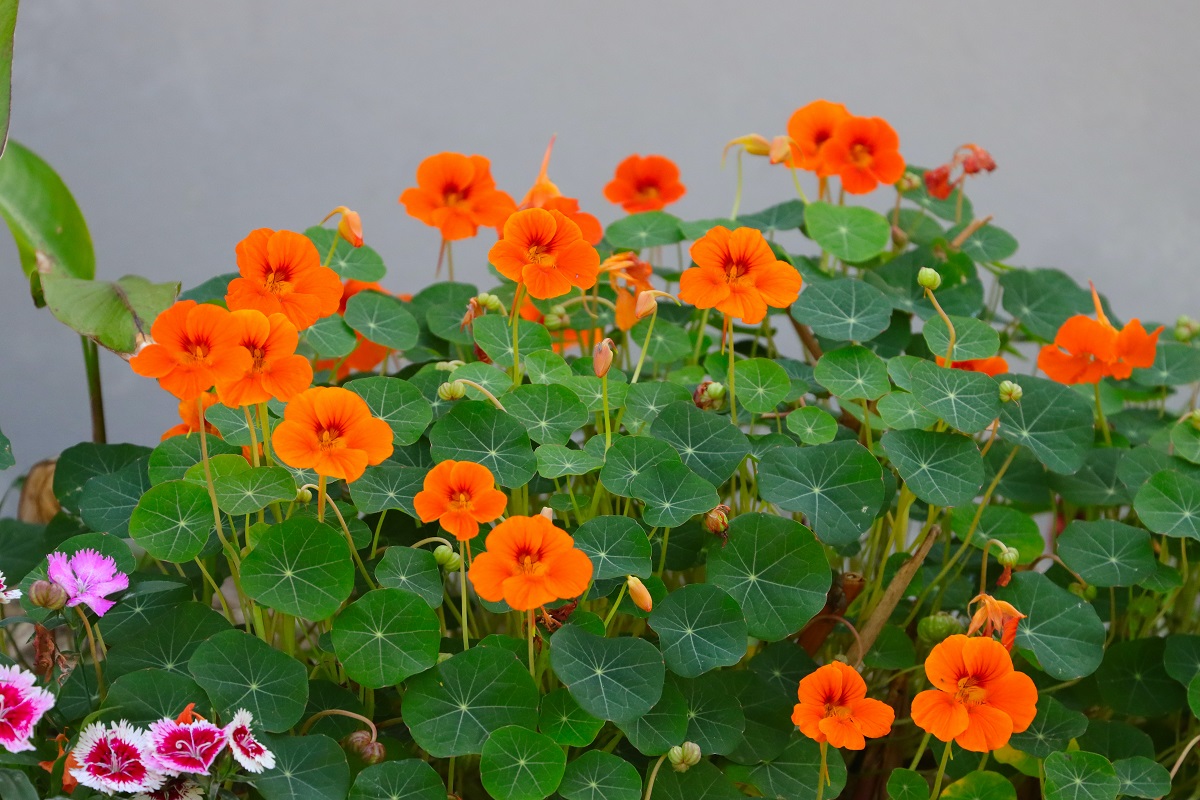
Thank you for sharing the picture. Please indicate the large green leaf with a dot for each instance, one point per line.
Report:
(837, 486)
(967, 401)
(853, 373)
(1169, 503)
(173, 520)
(493, 334)
(479, 432)
(662, 727)
(14, 784)
(309, 767)
(1133, 679)
(666, 343)
(761, 384)
(387, 486)
(715, 717)
(1043, 299)
(331, 337)
(972, 338)
(550, 413)
(168, 644)
(899, 410)
(943, 469)
(980, 786)
(564, 720)
(254, 489)
(398, 403)
(673, 494)
(1175, 364)
(349, 262)
(108, 501)
(383, 319)
(707, 443)
(597, 775)
(617, 546)
(645, 401)
(794, 774)
(238, 670)
(1105, 552)
(844, 309)
(112, 313)
(409, 779)
(300, 567)
(412, 570)
(1080, 776)
(385, 636)
(1055, 423)
(645, 229)
(851, 233)
(700, 627)
(148, 695)
(613, 679)
(1142, 777)
(81, 462)
(1054, 726)
(701, 782)
(630, 457)
(1062, 631)
(520, 764)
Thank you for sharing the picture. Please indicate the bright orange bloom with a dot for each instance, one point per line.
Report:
(1085, 350)
(366, 355)
(996, 615)
(195, 346)
(529, 563)
(349, 226)
(276, 370)
(456, 194)
(864, 152)
(545, 194)
(996, 365)
(629, 276)
(330, 430)
(460, 495)
(281, 273)
(737, 273)
(834, 708)
(810, 128)
(545, 251)
(980, 701)
(645, 184)
(191, 418)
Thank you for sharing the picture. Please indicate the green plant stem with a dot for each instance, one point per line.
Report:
(700, 335)
(941, 773)
(264, 420)
(515, 314)
(462, 586)
(612, 612)
(796, 181)
(823, 774)
(607, 421)
(653, 775)
(645, 346)
(253, 436)
(950, 334)
(91, 365)
(532, 635)
(1100, 416)
(378, 530)
(362, 568)
(216, 589)
(662, 557)
(737, 194)
(732, 394)
(920, 751)
(91, 637)
(332, 249)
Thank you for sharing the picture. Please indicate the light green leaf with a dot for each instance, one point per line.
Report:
(668, 342)
(853, 373)
(112, 313)
(383, 319)
(761, 384)
(254, 489)
(398, 403)
(980, 786)
(349, 262)
(1080, 776)
(331, 337)
(412, 570)
(556, 460)
(1169, 503)
(707, 443)
(387, 486)
(972, 338)
(899, 410)
(844, 309)
(546, 367)
(519, 764)
(550, 413)
(813, 425)
(907, 784)
(172, 521)
(385, 636)
(493, 334)
(987, 244)
(645, 401)
(1043, 299)
(645, 229)
(851, 233)
(613, 679)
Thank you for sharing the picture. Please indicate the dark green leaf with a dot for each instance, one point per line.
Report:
(410, 779)
(1055, 423)
(851, 233)
(613, 679)
(300, 567)
(309, 767)
(972, 338)
(617, 546)
(479, 432)
(707, 443)
(943, 469)
(837, 486)
(1080, 776)
(1133, 680)
(853, 373)
(596, 775)
(700, 627)
(967, 401)
(385, 636)
(673, 494)
(398, 403)
(642, 230)
(1107, 553)
(1061, 630)
(238, 670)
(519, 764)
(564, 720)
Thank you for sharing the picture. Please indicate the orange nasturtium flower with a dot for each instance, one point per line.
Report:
(545, 194)
(627, 269)
(276, 370)
(191, 418)
(737, 273)
(528, 563)
(996, 615)
(996, 365)
(864, 152)
(194, 347)
(645, 184)
(1085, 350)
(330, 430)
(460, 495)
(834, 708)
(456, 194)
(979, 700)
(545, 252)
(281, 273)
(809, 128)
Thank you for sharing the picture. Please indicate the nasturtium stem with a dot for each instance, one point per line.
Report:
(941, 773)
(662, 557)
(823, 774)
(700, 335)
(91, 637)
(216, 589)
(253, 436)
(654, 774)
(612, 612)
(737, 195)
(532, 636)
(515, 314)
(331, 251)
(732, 394)
(1100, 416)
(920, 751)
(462, 586)
(950, 335)
(645, 346)
(378, 530)
(607, 421)
(91, 364)
(796, 181)
(362, 568)
(264, 419)
(321, 486)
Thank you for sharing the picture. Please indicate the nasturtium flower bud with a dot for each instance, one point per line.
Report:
(1193, 419)
(48, 594)
(929, 278)
(639, 594)
(558, 310)
(602, 357)
(448, 366)
(937, 627)
(717, 521)
(754, 144)
(489, 301)
(684, 757)
(1010, 392)
(548, 513)
(1009, 557)
(446, 558)
(349, 226)
(709, 395)
(304, 495)
(1186, 328)
(370, 750)
(647, 304)
(554, 322)
(451, 391)
(1083, 590)
(908, 181)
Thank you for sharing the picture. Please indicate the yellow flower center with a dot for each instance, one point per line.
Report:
(327, 439)
(278, 282)
(969, 693)
(834, 710)
(540, 254)
(648, 191)
(860, 155)
(453, 197)
(530, 565)
(461, 501)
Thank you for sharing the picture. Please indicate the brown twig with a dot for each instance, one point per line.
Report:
(879, 617)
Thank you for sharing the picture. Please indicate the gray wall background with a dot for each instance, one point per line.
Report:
(181, 126)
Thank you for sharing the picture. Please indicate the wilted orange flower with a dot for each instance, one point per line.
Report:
(545, 252)
(194, 346)
(330, 430)
(864, 152)
(349, 226)
(996, 615)
(276, 371)
(191, 418)
(996, 365)
(980, 701)
(1085, 350)
(737, 273)
(456, 194)
(645, 184)
(529, 563)
(809, 128)
(281, 273)
(460, 495)
(834, 708)
(366, 355)
(629, 276)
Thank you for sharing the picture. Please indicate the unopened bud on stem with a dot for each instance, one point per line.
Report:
(451, 391)
(929, 278)
(47, 594)
(684, 758)
(446, 558)
(639, 594)
(602, 357)
(1010, 392)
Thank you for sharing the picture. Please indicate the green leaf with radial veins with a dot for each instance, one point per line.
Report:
(385, 636)
(1006, 525)
(972, 338)
(850, 233)
(550, 413)
(707, 443)
(979, 785)
(813, 425)
(387, 486)
(546, 366)
(657, 731)
(148, 695)
(300, 567)
(1043, 299)
(398, 403)
(761, 384)
(853, 373)
(413, 570)
(1105, 552)
(907, 784)
(794, 774)
(1169, 503)
(967, 401)
(1142, 777)
(1061, 630)
(409, 779)
(311, 767)
(331, 337)
(479, 432)
(1080, 776)
(646, 229)
(614, 679)
(775, 569)
(701, 782)
(254, 489)
(349, 262)
(987, 244)
(597, 775)
(900, 410)
(715, 717)
(617, 546)
(167, 646)
(493, 334)
(1055, 423)
(668, 342)
(630, 457)
(556, 460)
(1175, 364)
(172, 521)
(844, 309)
(1133, 679)
(942, 468)
(1053, 727)
(112, 313)
(784, 216)
(108, 501)
(238, 670)
(837, 486)
(645, 401)
(673, 494)
(700, 627)
(383, 319)
(520, 764)
(564, 720)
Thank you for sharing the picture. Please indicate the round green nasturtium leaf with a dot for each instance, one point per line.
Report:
(493, 334)
(837, 486)
(761, 384)
(850, 233)
(700, 627)
(715, 717)
(813, 425)
(673, 494)
(776, 571)
(980, 786)
(617, 546)
(630, 457)
(1133, 680)
(1043, 299)
(784, 216)
(398, 403)
(843, 309)
(907, 784)
(546, 366)
(254, 489)
(220, 467)
(385, 636)
(80, 463)
(899, 410)
(780, 666)
(311, 767)
(520, 764)
(231, 422)
(350, 263)
(172, 521)
(769, 725)
(853, 373)
(596, 775)
(942, 468)
(146, 599)
(238, 670)
(1105, 552)
(444, 321)
(1185, 441)
(1098, 482)
(590, 391)
(893, 649)
(1055, 423)
(645, 229)
(972, 338)
(1054, 726)
(1006, 525)
(987, 244)
(612, 679)
(645, 401)
(701, 782)
(148, 695)
(900, 370)
(1080, 776)
(300, 567)
(1175, 364)
(564, 720)
(1181, 659)
(409, 779)
(556, 460)
(794, 773)
(489, 376)
(331, 338)
(1114, 739)
(706, 443)
(1169, 503)
(1142, 777)
(668, 342)
(452, 708)
(480, 432)
(413, 570)
(108, 501)
(388, 486)
(172, 459)
(383, 319)
(1062, 631)
(662, 727)
(169, 643)
(967, 401)
(550, 413)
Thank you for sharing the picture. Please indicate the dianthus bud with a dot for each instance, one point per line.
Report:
(349, 226)
(1010, 392)
(709, 395)
(1082, 590)
(929, 278)
(684, 758)
(602, 357)
(303, 495)
(448, 366)
(451, 391)
(1009, 557)
(489, 301)
(646, 305)
(446, 558)
(47, 594)
(908, 181)
(752, 143)
(639, 594)
(717, 521)
(937, 627)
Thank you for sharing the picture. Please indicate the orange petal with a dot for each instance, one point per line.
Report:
(937, 713)
(987, 729)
